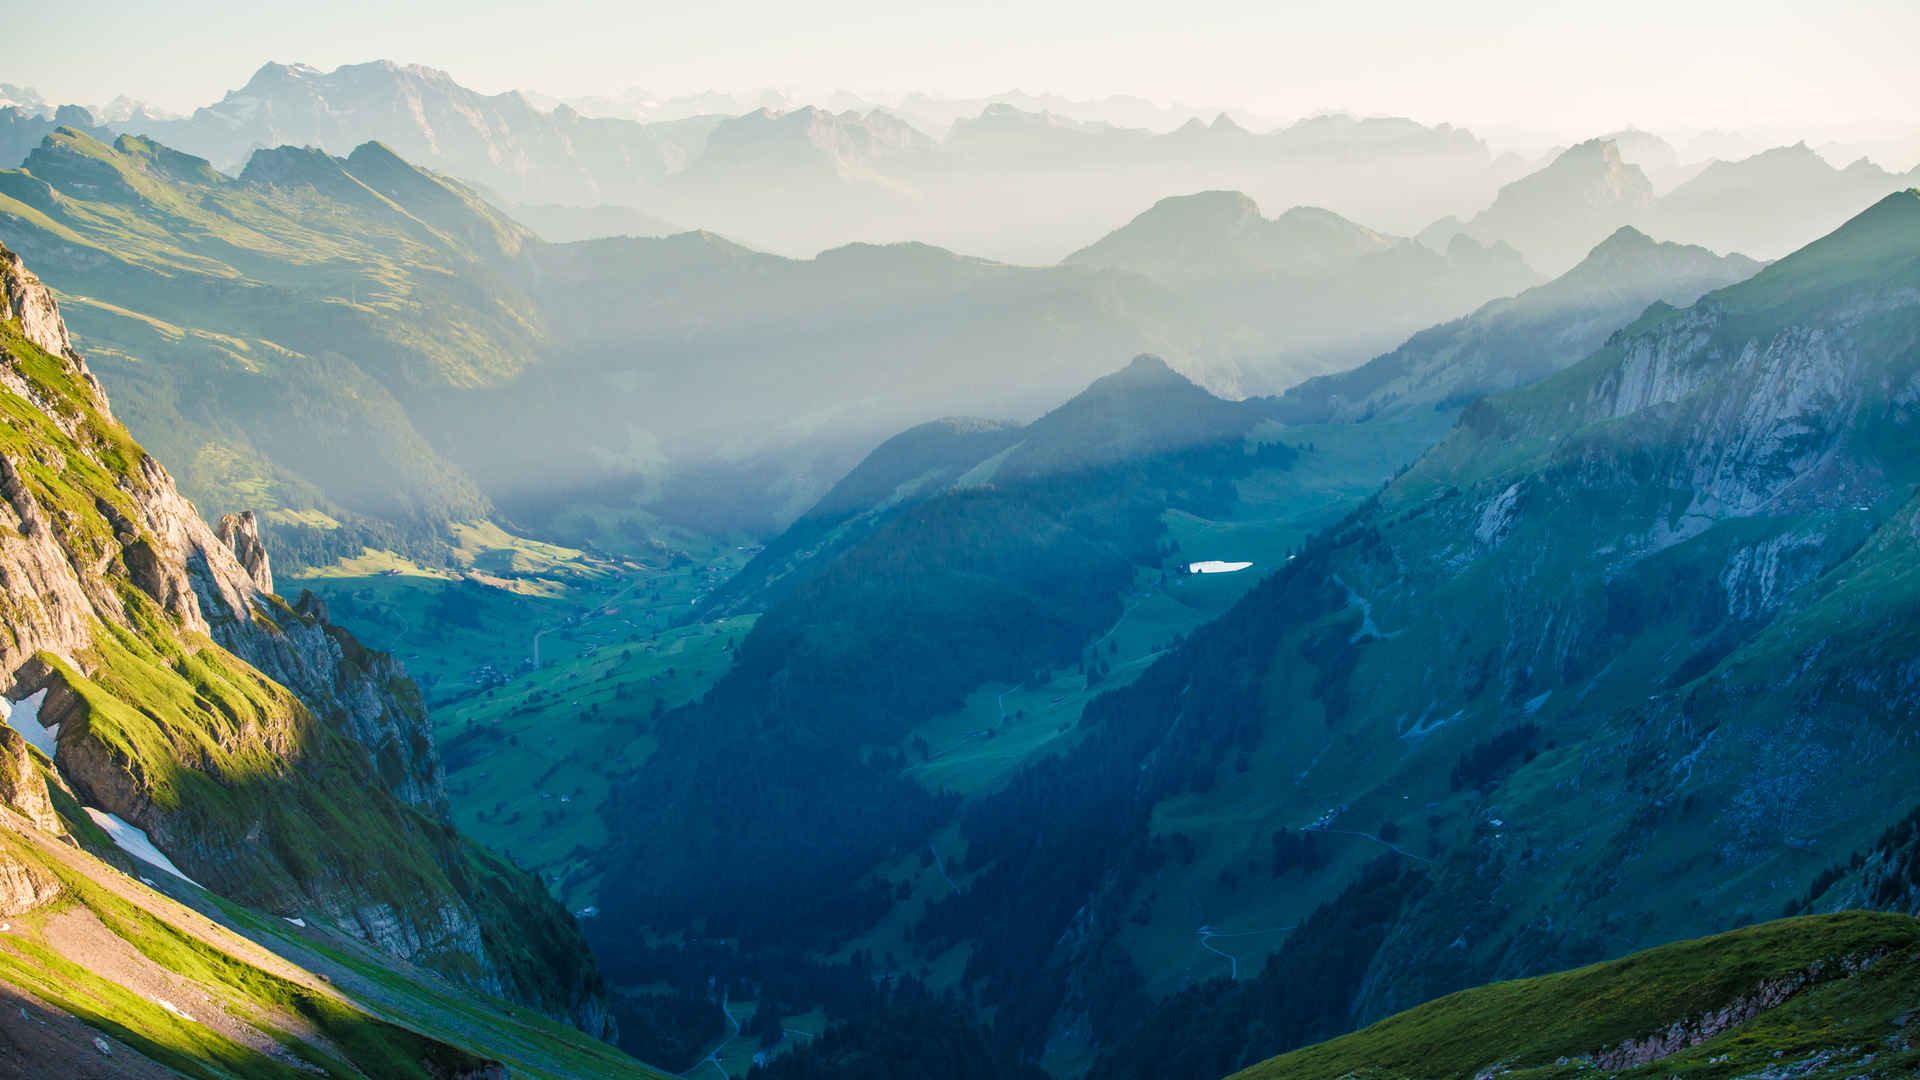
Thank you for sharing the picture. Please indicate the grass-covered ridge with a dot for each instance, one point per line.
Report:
(1823, 996)
(214, 991)
(273, 323)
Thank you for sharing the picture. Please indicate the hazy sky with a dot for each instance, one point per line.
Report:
(1834, 67)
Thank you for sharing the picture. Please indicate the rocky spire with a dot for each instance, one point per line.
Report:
(241, 532)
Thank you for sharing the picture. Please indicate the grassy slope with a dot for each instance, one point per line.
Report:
(273, 329)
(1848, 1023)
(307, 1001)
(530, 763)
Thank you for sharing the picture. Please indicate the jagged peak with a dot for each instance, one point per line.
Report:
(274, 73)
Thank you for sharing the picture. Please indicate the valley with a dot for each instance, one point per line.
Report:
(780, 585)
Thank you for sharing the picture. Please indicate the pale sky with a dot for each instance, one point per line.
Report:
(1818, 68)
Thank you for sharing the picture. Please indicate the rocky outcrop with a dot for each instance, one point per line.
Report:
(24, 887)
(22, 787)
(241, 533)
(1694, 1030)
(29, 304)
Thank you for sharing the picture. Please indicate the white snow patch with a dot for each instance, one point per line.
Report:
(1215, 566)
(174, 1009)
(135, 843)
(23, 716)
(301, 923)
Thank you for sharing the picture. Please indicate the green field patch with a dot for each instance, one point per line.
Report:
(530, 763)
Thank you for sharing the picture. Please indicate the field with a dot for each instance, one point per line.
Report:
(530, 750)
(463, 629)
(529, 763)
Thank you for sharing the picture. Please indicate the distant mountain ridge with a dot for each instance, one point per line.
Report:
(1765, 205)
(500, 140)
(1222, 233)
(1514, 341)
(546, 153)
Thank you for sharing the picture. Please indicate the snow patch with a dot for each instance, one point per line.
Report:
(23, 716)
(301, 923)
(135, 843)
(1215, 566)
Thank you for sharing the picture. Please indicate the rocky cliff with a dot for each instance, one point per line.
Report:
(265, 750)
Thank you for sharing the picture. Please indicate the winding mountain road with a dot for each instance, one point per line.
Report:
(713, 1059)
(1208, 933)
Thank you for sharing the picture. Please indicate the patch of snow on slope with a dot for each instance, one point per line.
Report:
(135, 843)
(23, 716)
(1215, 566)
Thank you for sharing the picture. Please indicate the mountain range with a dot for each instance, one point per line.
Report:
(1487, 651)
(1020, 177)
(1519, 339)
(1425, 740)
(843, 170)
(427, 360)
(1765, 205)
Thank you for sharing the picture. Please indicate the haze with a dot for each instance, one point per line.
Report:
(1532, 72)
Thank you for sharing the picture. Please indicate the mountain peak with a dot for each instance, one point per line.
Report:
(1604, 151)
(281, 166)
(1144, 408)
(373, 151)
(272, 73)
(1149, 367)
(1625, 238)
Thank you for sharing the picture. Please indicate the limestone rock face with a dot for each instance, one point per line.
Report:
(22, 788)
(31, 305)
(23, 887)
(241, 532)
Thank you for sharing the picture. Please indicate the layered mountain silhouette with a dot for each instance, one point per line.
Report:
(427, 359)
(1764, 206)
(1517, 340)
